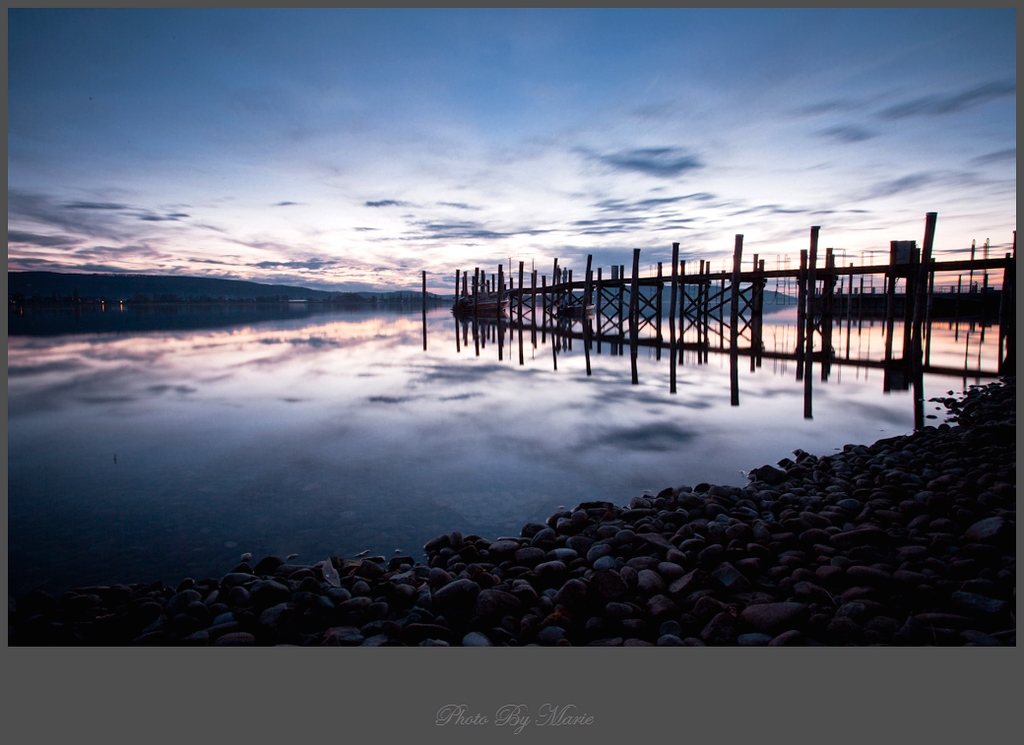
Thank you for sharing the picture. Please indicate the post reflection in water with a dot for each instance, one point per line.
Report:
(899, 373)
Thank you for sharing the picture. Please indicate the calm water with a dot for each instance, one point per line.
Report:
(168, 447)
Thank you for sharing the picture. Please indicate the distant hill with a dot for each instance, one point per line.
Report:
(145, 287)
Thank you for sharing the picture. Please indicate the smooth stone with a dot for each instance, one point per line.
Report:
(720, 630)
(605, 562)
(551, 635)
(456, 597)
(607, 585)
(753, 640)
(268, 592)
(476, 639)
(774, 618)
(530, 556)
(792, 638)
(572, 593)
(979, 604)
(649, 582)
(235, 639)
(670, 640)
(495, 604)
(989, 530)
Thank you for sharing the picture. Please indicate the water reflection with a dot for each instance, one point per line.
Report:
(333, 433)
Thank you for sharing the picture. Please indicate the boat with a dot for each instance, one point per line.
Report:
(576, 311)
(483, 304)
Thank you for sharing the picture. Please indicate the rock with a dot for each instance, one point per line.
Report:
(792, 638)
(720, 630)
(607, 585)
(572, 593)
(456, 598)
(991, 530)
(753, 640)
(551, 635)
(649, 582)
(530, 556)
(860, 537)
(492, 605)
(181, 600)
(235, 639)
(267, 565)
(775, 618)
(688, 583)
(661, 607)
(268, 592)
(279, 620)
(730, 578)
(978, 604)
(476, 639)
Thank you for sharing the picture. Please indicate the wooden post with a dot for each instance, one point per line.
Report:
(1007, 314)
(476, 294)
(801, 313)
(921, 289)
(543, 309)
(890, 301)
(424, 299)
(456, 287)
(634, 311)
(812, 260)
(500, 291)
(706, 312)
(828, 295)
(734, 320)
(533, 308)
(672, 319)
(657, 311)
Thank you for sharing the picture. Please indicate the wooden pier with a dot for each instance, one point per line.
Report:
(723, 312)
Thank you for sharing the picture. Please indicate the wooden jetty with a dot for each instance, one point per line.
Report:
(725, 309)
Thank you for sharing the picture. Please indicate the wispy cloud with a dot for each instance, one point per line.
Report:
(847, 133)
(997, 157)
(17, 236)
(387, 203)
(662, 162)
(285, 204)
(95, 206)
(458, 205)
(907, 183)
(951, 104)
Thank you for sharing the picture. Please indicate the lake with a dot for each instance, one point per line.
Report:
(164, 443)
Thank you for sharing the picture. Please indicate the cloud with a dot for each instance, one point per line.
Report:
(95, 206)
(951, 104)
(470, 231)
(911, 182)
(830, 106)
(285, 204)
(658, 437)
(16, 236)
(307, 264)
(662, 162)
(847, 133)
(458, 205)
(388, 203)
(171, 217)
(997, 157)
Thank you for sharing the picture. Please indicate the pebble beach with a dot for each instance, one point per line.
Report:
(910, 541)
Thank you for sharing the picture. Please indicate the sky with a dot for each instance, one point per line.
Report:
(353, 149)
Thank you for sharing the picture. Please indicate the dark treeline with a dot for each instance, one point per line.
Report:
(58, 288)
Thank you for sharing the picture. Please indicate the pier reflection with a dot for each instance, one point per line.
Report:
(853, 346)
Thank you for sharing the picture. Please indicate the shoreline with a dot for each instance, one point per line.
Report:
(908, 541)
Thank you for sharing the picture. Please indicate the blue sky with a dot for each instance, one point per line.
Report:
(355, 148)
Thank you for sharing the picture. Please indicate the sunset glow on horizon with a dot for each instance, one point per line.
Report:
(351, 149)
